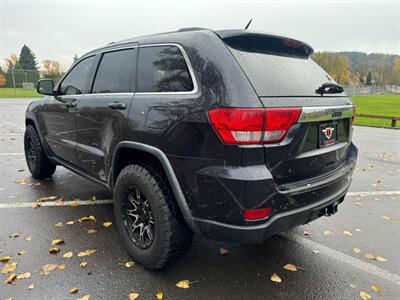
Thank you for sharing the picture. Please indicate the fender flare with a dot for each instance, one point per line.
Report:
(29, 116)
(173, 181)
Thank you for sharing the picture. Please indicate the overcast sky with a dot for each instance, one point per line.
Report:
(59, 29)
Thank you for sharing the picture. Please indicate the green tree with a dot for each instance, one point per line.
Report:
(27, 59)
(336, 65)
(369, 78)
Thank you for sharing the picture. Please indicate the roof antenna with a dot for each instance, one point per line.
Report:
(248, 24)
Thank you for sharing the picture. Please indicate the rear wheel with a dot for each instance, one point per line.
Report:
(151, 227)
(38, 163)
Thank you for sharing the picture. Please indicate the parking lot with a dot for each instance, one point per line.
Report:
(356, 250)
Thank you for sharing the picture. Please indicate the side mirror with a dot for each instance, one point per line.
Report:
(45, 87)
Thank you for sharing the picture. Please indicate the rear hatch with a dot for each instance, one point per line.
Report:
(283, 75)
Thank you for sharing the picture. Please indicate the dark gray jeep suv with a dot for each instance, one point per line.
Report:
(232, 134)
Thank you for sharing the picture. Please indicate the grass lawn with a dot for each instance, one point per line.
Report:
(18, 93)
(385, 105)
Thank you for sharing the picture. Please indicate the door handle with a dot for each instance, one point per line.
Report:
(116, 105)
(70, 104)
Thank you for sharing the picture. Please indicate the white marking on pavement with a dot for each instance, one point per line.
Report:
(54, 203)
(342, 257)
(374, 193)
(12, 153)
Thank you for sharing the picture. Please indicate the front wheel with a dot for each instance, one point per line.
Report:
(38, 163)
(152, 228)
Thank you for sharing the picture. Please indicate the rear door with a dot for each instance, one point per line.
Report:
(283, 75)
(101, 115)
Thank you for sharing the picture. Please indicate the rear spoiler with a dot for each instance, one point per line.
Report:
(251, 41)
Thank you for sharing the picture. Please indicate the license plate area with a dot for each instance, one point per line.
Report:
(327, 134)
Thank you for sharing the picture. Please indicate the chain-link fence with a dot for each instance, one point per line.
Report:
(372, 90)
(21, 82)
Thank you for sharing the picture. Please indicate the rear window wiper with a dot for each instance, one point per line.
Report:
(329, 88)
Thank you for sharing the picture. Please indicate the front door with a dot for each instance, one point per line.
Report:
(59, 113)
(101, 116)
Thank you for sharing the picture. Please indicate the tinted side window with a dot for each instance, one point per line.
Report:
(162, 69)
(115, 72)
(78, 81)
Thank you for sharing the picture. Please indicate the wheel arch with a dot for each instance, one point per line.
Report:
(156, 155)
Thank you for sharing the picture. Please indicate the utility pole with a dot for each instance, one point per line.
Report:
(13, 77)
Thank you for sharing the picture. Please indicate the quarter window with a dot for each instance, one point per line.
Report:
(162, 69)
(115, 72)
(79, 78)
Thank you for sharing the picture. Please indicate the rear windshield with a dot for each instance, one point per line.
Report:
(273, 75)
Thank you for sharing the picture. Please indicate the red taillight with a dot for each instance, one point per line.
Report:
(256, 214)
(279, 120)
(253, 126)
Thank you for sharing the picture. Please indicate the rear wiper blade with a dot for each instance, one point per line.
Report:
(329, 88)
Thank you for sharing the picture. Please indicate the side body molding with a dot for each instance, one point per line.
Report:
(162, 158)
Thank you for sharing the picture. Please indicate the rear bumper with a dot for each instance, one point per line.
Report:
(278, 223)
(294, 205)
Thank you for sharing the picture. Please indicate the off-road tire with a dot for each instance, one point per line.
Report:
(41, 167)
(172, 237)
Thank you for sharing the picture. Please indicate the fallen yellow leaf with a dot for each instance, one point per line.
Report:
(74, 290)
(380, 259)
(159, 295)
(223, 251)
(290, 267)
(276, 278)
(70, 222)
(59, 224)
(9, 268)
(133, 296)
(86, 297)
(91, 231)
(328, 232)
(358, 230)
(46, 269)
(5, 258)
(22, 252)
(54, 250)
(107, 224)
(316, 252)
(356, 250)
(386, 217)
(68, 254)
(365, 295)
(83, 264)
(28, 238)
(306, 232)
(31, 286)
(24, 275)
(88, 218)
(129, 264)
(57, 242)
(15, 235)
(370, 256)
(74, 204)
(86, 252)
(346, 232)
(62, 267)
(183, 284)
(43, 199)
(10, 278)
(93, 198)
(376, 288)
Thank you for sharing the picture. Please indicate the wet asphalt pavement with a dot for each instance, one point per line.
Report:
(336, 272)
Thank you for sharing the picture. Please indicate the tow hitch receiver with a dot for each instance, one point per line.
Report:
(330, 210)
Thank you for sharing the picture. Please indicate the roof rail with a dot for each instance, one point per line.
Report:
(192, 29)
